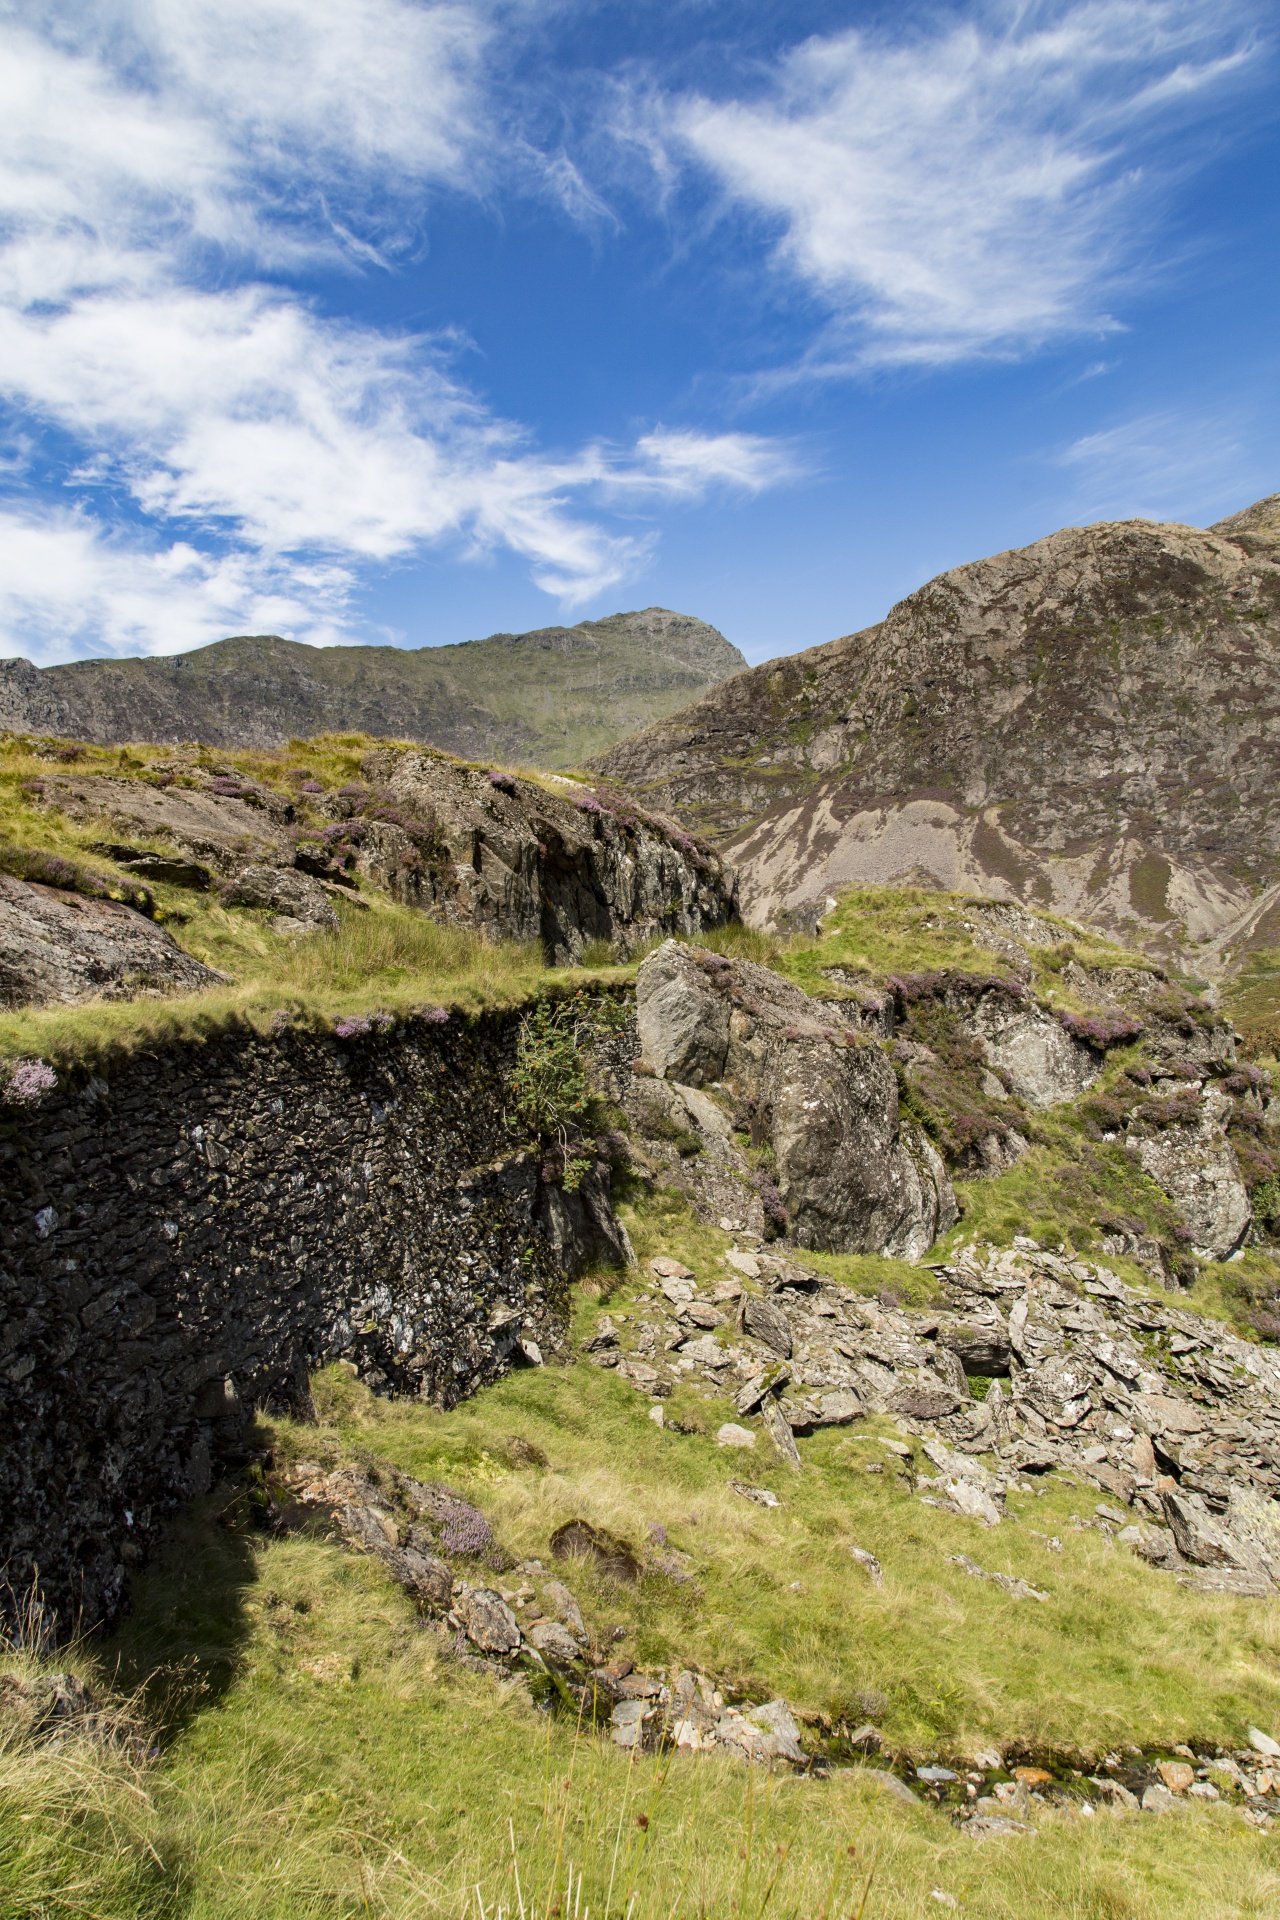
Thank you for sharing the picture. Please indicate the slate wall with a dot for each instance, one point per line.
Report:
(187, 1237)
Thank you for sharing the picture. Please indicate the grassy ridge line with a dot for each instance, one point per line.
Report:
(388, 959)
(883, 931)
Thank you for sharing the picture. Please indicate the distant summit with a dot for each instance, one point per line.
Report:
(548, 698)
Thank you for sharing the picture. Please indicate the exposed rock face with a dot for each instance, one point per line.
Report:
(513, 858)
(60, 948)
(548, 698)
(522, 863)
(1196, 1165)
(225, 830)
(1044, 1064)
(852, 1176)
(1090, 722)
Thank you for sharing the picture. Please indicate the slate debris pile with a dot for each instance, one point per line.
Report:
(993, 1793)
(1170, 1415)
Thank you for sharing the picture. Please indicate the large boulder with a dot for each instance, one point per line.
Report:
(60, 948)
(298, 902)
(1196, 1165)
(853, 1176)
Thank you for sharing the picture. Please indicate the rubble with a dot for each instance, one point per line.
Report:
(1171, 1416)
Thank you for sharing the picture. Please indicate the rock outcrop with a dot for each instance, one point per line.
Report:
(59, 948)
(548, 698)
(519, 861)
(1091, 723)
(296, 901)
(1194, 1162)
(852, 1176)
(553, 860)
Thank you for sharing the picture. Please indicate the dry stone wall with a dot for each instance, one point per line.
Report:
(186, 1238)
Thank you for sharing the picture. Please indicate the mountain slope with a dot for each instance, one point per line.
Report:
(1091, 723)
(547, 698)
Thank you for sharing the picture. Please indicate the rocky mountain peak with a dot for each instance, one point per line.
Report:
(1089, 723)
(546, 698)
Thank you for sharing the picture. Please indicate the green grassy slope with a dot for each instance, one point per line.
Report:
(306, 1747)
(325, 1756)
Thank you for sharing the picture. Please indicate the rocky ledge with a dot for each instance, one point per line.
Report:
(555, 861)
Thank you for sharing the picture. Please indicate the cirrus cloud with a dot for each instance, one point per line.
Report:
(967, 189)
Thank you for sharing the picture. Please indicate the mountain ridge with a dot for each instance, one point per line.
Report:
(548, 697)
(1089, 723)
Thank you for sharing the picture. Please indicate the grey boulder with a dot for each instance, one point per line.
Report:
(1044, 1064)
(853, 1176)
(553, 1641)
(488, 1621)
(1196, 1166)
(57, 949)
(299, 902)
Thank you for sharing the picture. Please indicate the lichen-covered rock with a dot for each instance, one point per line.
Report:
(62, 948)
(225, 829)
(298, 902)
(1196, 1166)
(487, 1620)
(425, 1574)
(554, 1642)
(1044, 1064)
(852, 1176)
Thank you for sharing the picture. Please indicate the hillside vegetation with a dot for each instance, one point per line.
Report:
(322, 1751)
(549, 698)
(278, 1732)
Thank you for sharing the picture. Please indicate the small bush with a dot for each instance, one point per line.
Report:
(1112, 1027)
(550, 1090)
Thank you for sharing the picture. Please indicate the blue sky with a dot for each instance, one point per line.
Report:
(387, 321)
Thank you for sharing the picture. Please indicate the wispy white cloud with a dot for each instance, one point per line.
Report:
(163, 169)
(68, 587)
(1164, 466)
(967, 189)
